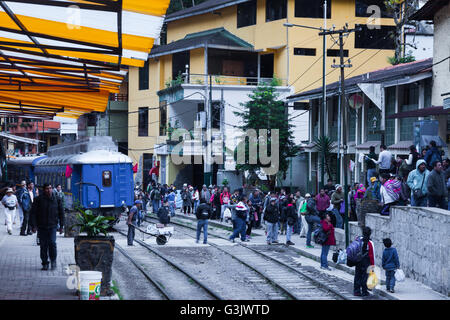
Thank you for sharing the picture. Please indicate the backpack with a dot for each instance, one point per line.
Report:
(156, 195)
(320, 236)
(204, 213)
(354, 252)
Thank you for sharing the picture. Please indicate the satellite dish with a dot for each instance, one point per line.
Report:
(355, 101)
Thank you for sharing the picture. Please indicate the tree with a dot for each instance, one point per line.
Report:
(265, 111)
(402, 10)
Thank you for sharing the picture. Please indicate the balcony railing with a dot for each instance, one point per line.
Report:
(118, 97)
(228, 80)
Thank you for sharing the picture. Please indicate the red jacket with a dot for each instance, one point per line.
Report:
(371, 254)
(328, 228)
(224, 194)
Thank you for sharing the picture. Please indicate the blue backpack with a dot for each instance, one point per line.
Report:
(354, 252)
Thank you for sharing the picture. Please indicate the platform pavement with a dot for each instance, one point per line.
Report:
(406, 290)
(21, 277)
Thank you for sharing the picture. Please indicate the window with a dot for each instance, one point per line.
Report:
(304, 52)
(311, 9)
(410, 102)
(246, 14)
(389, 137)
(336, 53)
(143, 122)
(276, 10)
(143, 76)
(179, 62)
(361, 7)
(162, 118)
(382, 38)
(106, 178)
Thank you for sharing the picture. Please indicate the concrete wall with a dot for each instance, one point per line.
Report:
(421, 237)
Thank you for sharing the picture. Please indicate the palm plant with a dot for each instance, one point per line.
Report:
(323, 146)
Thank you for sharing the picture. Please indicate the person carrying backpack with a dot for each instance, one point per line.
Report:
(239, 226)
(311, 217)
(203, 213)
(164, 213)
(432, 155)
(291, 220)
(360, 254)
(155, 196)
(328, 228)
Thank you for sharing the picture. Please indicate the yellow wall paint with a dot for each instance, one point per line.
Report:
(266, 36)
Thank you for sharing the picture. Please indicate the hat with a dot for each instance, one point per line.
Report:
(240, 206)
(373, 179)
(138, 201)
(273, 199)
(9, 190)
(307, 195)
(338, 186)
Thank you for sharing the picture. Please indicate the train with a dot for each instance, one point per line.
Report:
(92, 173)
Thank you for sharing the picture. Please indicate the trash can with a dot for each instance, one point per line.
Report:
(90, 285)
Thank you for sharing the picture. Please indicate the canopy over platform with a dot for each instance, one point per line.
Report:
(64, 58)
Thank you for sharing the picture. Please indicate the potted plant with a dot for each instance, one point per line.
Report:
(95, 252)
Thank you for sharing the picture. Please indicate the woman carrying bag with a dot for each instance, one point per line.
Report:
(328, 228)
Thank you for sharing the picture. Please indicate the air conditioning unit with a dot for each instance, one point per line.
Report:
(200, 120)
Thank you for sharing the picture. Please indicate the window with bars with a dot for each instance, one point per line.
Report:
(382, 38)
(373, 113)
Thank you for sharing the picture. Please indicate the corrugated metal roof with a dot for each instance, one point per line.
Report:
(401, 145)
(428, 11)
(214, 38)
(390, 73)
(368, 144)
(19, 138)
(205, 7)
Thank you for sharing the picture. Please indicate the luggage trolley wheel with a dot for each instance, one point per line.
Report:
(161, 240)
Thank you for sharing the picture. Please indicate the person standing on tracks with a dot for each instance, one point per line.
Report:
(291, 220)
(203, 214)
(272, 217)
(187, 199)
(164, 213)
(155, 196)
(239, 225)
(368, 259)
(11, 204)
(46, 212)
(132, 219)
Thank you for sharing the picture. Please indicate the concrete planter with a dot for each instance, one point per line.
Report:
(70, 220)
(96, 254)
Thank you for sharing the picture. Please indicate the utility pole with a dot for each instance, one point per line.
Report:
(345, 31)
(324, 93)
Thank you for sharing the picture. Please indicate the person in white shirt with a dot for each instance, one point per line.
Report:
(11, 204)
(384, 160)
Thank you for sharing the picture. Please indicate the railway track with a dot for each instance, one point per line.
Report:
(297, 282)
(180, 285)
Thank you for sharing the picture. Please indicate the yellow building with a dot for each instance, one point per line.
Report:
(241, 43)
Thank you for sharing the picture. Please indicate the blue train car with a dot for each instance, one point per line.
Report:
(100, 179)
(22, 168)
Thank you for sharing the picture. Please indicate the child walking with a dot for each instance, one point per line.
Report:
(390, 264)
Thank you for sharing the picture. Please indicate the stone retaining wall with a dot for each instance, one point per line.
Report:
(421, 237)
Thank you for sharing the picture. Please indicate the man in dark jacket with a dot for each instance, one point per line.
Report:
(311, 217)
(272, 216)
(437, 189)
(164, 213)
(371, 166)
(46, 212)
(203, 213)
